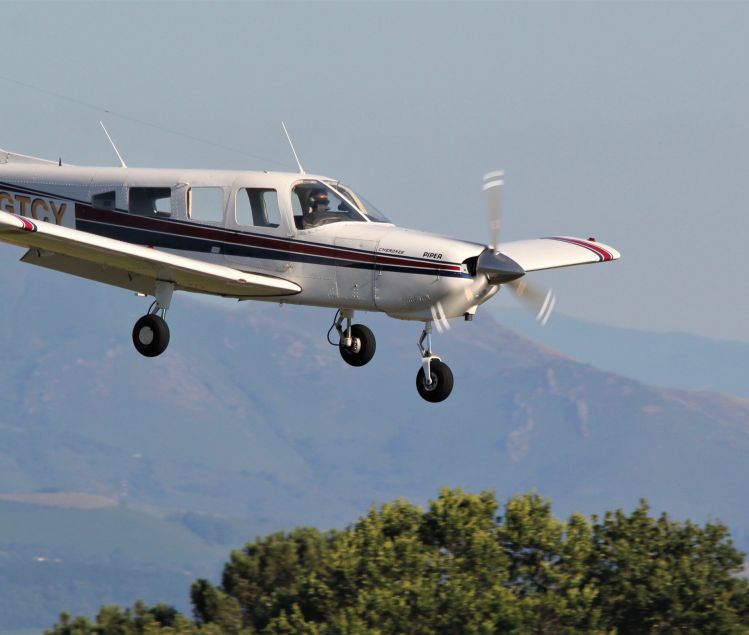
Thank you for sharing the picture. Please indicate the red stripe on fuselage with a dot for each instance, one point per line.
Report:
(220, 235)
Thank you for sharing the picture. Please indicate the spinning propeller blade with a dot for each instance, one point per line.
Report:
(500, 269)
(539, 299)
(497, 267)
(493, 182)
(439, 319)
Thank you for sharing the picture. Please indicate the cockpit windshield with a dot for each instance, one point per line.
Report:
(363, 205)
(320, 202)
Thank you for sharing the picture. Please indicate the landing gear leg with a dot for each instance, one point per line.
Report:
(434, 381)
(356, 342)
(151, 332)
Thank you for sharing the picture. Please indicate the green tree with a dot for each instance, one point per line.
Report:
(213, 606)
(141, 620)
(464, 566)
(659, 575)
(547, 565)
(262, 580)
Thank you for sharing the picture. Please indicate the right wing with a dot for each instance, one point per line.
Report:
(557, 251)
(131, 266)
(14, 157)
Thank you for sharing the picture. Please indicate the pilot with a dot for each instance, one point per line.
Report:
(318, 209)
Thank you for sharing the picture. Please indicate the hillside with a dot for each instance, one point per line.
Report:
(675, 360)
(54, 557)
(251, 414)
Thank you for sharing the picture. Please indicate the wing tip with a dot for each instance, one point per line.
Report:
(11, 221)
(605, 252)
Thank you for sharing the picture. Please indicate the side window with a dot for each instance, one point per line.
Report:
(105, 200)
(150, 201)
(206, 204)
(297, 206)
(257, 207)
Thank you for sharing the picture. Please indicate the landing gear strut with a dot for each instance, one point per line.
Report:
(151, 332)
(434, 381)
(356, 342)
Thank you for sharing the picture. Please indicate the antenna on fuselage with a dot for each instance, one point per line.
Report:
(117, 152)
(298, 162)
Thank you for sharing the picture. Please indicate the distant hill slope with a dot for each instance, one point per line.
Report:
(675, 360)
(54, 558)
(66, 500)
(250, 413)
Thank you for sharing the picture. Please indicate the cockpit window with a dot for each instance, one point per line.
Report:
(318, 203)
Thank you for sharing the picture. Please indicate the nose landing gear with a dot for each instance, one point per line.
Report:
(434, 381)
(151, 332)
(356, 342)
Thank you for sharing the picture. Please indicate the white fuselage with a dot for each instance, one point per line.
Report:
(355, 265)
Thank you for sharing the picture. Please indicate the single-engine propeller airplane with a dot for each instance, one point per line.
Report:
(293, 238)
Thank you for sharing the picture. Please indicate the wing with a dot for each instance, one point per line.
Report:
(557, 251)
(131, 266)
(14, 157)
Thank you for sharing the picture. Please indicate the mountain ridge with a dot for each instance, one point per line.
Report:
(669, 359)
(251, 414)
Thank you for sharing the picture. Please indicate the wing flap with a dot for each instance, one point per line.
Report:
(91, 271)
(557, 251)
(106, 260)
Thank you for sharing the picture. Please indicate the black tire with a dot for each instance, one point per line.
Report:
(442, 382)
(362, 350)
(151, 335)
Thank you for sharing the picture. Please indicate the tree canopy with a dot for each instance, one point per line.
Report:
(462, 566)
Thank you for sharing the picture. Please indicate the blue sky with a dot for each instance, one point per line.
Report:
(624, 121)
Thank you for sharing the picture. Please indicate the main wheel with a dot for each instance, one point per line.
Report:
(151, 335)
(441, 384)
(362, 347)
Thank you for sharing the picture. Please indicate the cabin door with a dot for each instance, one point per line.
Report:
(355, 272)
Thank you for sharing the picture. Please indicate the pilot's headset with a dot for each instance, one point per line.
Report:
(316, 197)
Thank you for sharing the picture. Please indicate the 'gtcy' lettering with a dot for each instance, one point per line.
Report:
(38, 208)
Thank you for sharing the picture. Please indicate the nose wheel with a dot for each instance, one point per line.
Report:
(440, 383)
(434, 381)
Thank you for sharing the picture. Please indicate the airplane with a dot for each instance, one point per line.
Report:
(284, 237)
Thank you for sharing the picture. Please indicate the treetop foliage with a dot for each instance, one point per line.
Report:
(461, 566)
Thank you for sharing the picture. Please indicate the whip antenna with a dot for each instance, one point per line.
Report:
(117, 152)
(298, 162)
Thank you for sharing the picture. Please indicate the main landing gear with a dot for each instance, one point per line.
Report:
(151, 332)
(434, 381)
(356, 342)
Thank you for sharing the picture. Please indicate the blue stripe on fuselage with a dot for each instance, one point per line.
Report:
(202, 245)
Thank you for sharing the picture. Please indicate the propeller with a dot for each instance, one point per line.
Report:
(493, 182)
(498, 268)
(537, 298)
(439, 319)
